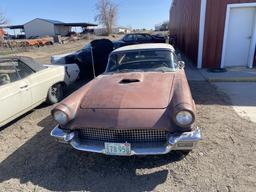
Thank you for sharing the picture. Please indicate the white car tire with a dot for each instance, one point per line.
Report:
(55, 94)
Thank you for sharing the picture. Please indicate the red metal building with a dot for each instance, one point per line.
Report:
(215, 33)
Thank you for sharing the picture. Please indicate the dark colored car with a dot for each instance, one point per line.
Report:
(138, 38)
(96, 52)
(101, 49)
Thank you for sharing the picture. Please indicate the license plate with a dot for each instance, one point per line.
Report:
(122, 149)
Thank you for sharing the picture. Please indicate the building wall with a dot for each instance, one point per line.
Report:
(39, 28)
(214, 31)
(62, 30)
(184, 23)
(118, 30)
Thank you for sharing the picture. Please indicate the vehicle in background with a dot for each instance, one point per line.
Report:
(97, 52)
(138, 38)
(25, 84)
(141, 105)
(91, 60)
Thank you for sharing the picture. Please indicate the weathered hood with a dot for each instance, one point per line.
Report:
(151, 90)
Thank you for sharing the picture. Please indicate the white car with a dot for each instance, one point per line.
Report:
(25, 84)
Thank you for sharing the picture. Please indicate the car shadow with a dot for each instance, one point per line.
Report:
(206, 94)
(58, 167)
(16, 120)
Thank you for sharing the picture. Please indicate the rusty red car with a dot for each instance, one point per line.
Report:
(141, 105)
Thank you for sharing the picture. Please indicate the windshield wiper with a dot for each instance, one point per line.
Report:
(163, 70)
(124, 70)
(130, 70)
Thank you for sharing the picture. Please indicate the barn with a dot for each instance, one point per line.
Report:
(42, 27)
(215, 33)
(46, 27)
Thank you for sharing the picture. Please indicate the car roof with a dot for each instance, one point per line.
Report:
(145, 46)
(138, 34)
(27, 60)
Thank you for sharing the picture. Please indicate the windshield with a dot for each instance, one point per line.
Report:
(142, 60)
(8, 72)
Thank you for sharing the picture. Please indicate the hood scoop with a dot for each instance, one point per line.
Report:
(128, 81)
(131, 78)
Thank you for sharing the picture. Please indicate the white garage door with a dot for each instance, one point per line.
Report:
(239, 37)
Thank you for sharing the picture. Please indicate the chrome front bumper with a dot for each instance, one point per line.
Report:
(181, 141)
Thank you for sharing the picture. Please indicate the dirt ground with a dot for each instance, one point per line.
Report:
(42, 54)
(224, 161)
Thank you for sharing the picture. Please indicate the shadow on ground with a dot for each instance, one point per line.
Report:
(232, 94)
(58, 167)
(206, 94)
(15, 120)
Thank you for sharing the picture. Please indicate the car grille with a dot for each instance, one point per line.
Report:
(122, 136)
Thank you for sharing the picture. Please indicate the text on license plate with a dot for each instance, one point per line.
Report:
(118, 148)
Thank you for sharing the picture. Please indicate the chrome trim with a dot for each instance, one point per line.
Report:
(61, 136)
(178, 141)
(122, 136)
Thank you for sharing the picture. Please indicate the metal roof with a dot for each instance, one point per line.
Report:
(13, 26)
(51, 21)
(77, 24)
(55, 22)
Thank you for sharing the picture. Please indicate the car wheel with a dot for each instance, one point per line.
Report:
(55, 94)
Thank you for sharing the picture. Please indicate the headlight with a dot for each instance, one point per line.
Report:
(60, 117)
(184, 118)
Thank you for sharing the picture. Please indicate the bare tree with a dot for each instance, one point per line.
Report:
(107, 15)
(163, 26)
(3, 19)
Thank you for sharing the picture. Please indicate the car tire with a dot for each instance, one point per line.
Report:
(55, 94)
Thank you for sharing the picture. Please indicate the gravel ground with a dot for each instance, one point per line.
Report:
(30, 160)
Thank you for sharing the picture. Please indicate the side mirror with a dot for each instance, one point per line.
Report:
(181, 64)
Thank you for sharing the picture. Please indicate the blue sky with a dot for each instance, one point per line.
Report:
(134, 13)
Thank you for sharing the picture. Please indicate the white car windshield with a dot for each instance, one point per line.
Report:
(142, 60)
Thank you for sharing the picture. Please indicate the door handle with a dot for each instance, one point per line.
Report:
(24, 87)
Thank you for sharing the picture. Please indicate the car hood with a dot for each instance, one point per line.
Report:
(149, 90)
(118, 41)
